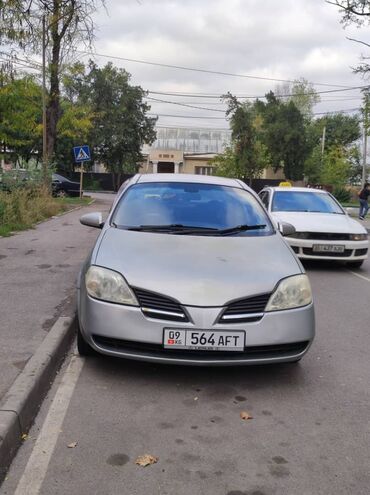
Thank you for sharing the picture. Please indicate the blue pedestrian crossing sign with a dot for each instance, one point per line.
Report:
(82, 153)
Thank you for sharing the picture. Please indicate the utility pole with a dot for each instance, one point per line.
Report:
(44, 134)
(323, 142)
(364, 155)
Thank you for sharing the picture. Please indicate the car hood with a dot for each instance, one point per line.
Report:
(197, 270)
(320, 222)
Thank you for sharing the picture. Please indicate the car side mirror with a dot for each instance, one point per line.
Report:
(94, 219)
(286, 229)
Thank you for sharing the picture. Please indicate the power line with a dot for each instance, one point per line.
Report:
(184, 105)
(205, 95)
(180, 67)
(339, 111)
(185, 116)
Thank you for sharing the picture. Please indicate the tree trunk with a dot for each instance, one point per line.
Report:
(53, 102)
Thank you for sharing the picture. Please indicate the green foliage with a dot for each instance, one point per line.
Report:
(21, 118)
(23, 207)
(284, 135)
(336, 168)
(302, 93)
(341, 129)
(117, 109)
(342, 194)
(247, 156)
(313, 165)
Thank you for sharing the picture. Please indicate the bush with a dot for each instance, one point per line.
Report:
(23, 207)
(342, 194)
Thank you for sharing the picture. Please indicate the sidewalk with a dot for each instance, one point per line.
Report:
(38, 272)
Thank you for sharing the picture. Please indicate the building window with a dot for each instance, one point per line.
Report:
(204, 170)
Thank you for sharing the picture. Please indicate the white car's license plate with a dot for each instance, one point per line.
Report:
(207, 340)
(327, 248)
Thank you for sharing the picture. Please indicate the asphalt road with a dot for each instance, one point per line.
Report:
(38, 273)
(310, 432)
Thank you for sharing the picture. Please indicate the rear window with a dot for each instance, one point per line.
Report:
(198, 205)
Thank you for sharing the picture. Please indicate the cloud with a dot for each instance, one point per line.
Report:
(287, 40)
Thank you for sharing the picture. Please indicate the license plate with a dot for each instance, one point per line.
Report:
(206, 340)
(327, 248)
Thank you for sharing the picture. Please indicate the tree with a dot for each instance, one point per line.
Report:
(21, 118)
(302, 93)
(340, 129)
(356, 12)
(336, 169)
(341, 132)
(284, 134)
(68, 22)
(247, 157)
(120, 125)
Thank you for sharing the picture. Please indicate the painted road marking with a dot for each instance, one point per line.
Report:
(359, 275)
(36, 469)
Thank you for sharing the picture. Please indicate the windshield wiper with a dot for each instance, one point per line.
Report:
(173, 227)
(240, 228)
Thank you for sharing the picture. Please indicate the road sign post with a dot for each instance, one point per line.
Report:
(82, 154)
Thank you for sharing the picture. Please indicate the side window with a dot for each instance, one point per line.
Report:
(264, 196)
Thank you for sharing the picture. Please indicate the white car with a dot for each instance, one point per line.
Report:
(324, 231)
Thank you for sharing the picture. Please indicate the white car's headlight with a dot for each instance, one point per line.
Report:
(107, 285)
(292, 292)
(358, 237)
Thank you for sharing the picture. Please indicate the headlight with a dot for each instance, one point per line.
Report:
(108, 285)
(358, 237)
(292, 292)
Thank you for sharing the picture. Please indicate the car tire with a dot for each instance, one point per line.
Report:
(84, 349)
(61, 194)
(355, 264)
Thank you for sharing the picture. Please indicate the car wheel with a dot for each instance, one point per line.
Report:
(84, 349)
(61, 194)
(355, 264)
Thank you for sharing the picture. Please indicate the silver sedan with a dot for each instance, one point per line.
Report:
(190, 269)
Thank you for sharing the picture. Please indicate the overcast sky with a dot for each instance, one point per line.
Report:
(284, 39)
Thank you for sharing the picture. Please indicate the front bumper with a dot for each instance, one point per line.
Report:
(353, 250)
(124, 331)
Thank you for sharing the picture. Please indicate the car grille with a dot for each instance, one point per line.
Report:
(324, 236)
(310, 252)
(248, 310)
(157, 350)
(160, 307)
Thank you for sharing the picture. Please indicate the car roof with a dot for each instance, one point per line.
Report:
(199, 179)
(296, 189)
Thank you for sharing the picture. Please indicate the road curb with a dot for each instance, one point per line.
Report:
(23, 400)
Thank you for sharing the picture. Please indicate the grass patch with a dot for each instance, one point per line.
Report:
(350, 205)
(73, 201)
(22, 208)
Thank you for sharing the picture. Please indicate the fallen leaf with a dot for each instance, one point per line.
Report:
(146, 460)
(72, 445)
(24, 436)
(245, 415)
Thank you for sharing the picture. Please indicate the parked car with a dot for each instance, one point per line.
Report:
(324, 231)
(189, 269)
(61, 186)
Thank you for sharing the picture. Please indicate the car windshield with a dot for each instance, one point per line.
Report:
(199, 209)
(305, 201)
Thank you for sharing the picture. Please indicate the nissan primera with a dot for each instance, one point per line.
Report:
(190, 269)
